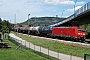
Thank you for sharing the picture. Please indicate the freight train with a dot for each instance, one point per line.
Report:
(75, 33)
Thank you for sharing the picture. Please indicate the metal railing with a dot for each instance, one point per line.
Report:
(42, 50)
(86, 56)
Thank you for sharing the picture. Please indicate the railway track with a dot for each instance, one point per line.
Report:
(78, 44)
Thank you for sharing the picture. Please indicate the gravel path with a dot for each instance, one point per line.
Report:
(44, 50)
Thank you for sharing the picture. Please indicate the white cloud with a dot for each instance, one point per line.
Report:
(35, 7)
(54, 10)
(79, 3)
(78, 7)
(0, 3)
(72, 10)
(19, 7)
(61, 2)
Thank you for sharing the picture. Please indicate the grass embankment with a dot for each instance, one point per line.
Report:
(20, 54)
(55, 46)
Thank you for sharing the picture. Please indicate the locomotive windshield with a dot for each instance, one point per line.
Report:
(81, 30)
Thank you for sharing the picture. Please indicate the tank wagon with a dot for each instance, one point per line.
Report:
(34, 30)
(45, 31)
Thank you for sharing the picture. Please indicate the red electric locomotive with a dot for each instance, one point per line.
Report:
(71, 32)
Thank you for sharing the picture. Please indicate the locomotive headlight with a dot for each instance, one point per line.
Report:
(78, 33)
(84, 34)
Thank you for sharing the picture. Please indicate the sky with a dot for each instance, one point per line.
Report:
(37, 8)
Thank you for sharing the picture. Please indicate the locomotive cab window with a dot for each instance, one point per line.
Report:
(81, 30)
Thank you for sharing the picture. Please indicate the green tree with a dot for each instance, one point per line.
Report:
(87, 27)
(0, 24)
(6, 27)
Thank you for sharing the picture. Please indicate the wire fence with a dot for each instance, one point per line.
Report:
(40, 49)
(86, 56)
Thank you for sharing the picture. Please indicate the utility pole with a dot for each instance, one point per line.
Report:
(35, 21)
(74, 8)
(62, 14)
(28, 24)
(15, 18)
(15, 22)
